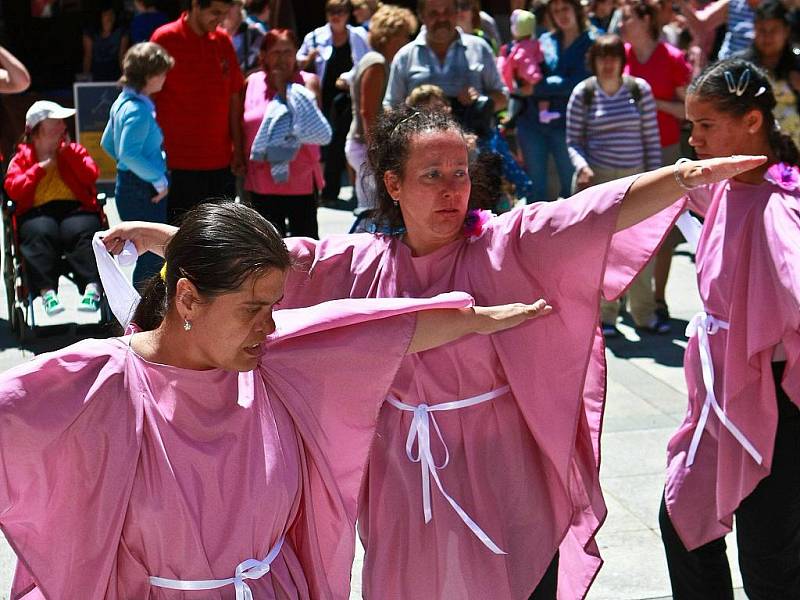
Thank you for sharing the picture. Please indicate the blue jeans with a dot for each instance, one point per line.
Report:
(537, 141)
(133, 195)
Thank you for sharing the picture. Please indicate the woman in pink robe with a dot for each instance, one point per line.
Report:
(736, 451)
(475, 501)
(216, 453)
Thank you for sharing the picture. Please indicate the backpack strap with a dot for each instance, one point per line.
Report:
(589, 90)
(634, 90)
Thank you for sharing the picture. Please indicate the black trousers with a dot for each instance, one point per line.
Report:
(339, 117)
(187, 189)
(299, 211)
(546, 590)
(54, 229)
(767, 529)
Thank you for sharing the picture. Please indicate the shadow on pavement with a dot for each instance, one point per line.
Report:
(54, 337)
(662, 348)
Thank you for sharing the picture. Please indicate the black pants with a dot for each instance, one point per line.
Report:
(299, 211)
(767, 529)
(546, 590)
(339, 117)
(187, 189)
(52, 230)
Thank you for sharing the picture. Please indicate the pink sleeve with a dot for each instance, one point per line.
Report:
(69, 443)
(699, 199)
(332, 366)
(572, 247)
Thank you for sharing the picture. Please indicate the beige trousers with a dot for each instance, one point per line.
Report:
(641, 302)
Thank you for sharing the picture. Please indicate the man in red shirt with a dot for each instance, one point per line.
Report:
(200, 107)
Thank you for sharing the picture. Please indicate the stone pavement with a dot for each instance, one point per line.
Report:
(646, 401)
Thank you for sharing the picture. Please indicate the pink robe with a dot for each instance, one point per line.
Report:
(525, 465)
(748, 273)
(115, 468)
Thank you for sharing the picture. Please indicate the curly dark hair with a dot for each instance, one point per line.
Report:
(389, 146)
(714, 85)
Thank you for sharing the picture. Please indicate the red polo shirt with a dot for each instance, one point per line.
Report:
(192, 108)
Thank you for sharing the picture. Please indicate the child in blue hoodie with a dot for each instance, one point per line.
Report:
(133, 138)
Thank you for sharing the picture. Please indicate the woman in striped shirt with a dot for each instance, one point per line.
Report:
(612, 129)
(612, 132)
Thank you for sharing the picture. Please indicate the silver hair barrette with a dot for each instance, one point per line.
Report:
(760, 91)
(416, 113)
(740, 87)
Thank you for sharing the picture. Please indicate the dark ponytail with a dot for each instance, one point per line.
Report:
(217, 248)
(720, 84)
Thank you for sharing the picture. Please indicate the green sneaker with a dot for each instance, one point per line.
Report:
(51, 304)
(90, 301)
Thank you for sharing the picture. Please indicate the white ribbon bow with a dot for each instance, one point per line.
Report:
(420, 432)
(247, 569)
(702, 325)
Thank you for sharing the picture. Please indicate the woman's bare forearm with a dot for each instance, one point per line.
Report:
(655, 190)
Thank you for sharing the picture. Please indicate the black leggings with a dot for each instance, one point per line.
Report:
(767, 529)
(546, 590)
(54, 229)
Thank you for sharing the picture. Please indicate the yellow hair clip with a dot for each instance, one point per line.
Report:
(164, 272)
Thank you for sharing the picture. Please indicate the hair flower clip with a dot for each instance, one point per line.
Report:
(475, 222)
(784, 175)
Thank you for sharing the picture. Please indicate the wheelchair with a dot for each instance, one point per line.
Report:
(19, 298)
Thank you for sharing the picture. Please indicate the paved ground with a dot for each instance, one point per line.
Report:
(646, 400)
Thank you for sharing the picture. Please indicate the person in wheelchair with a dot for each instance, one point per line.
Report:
(52, 181)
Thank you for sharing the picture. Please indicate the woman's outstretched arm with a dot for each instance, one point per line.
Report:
(441, 326)
(656, 190)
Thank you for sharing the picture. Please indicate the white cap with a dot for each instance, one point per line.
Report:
(44, 109)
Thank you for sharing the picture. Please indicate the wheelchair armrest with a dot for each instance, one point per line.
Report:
(102, 199)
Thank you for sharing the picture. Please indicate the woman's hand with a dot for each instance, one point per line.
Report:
(147, 237)
(491, 319)
(438, 327)
(159, 196)
(712, 170)
(584, 178)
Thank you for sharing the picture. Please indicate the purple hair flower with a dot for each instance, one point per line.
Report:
(475, 222)
(784, 175)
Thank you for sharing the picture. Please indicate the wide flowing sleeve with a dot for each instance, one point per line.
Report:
(567, 252)
(782, 238)
(572, 243)
(340, 266)
(331, 366)
(69, 442)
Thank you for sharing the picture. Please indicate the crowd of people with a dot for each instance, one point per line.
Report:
(468, 465)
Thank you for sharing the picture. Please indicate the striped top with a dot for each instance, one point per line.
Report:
(612, 133)
(741, 29)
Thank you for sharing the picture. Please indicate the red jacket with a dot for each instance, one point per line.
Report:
(76, 167)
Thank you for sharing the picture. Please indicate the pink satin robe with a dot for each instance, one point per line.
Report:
(115, 468)
(748, 274)
(523, 466)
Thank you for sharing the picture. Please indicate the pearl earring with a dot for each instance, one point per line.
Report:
(187, 325)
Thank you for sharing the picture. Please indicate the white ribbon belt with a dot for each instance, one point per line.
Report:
(421, 433)
(703, 325)
(248, 569)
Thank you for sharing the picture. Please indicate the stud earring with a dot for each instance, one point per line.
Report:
(187, 325)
